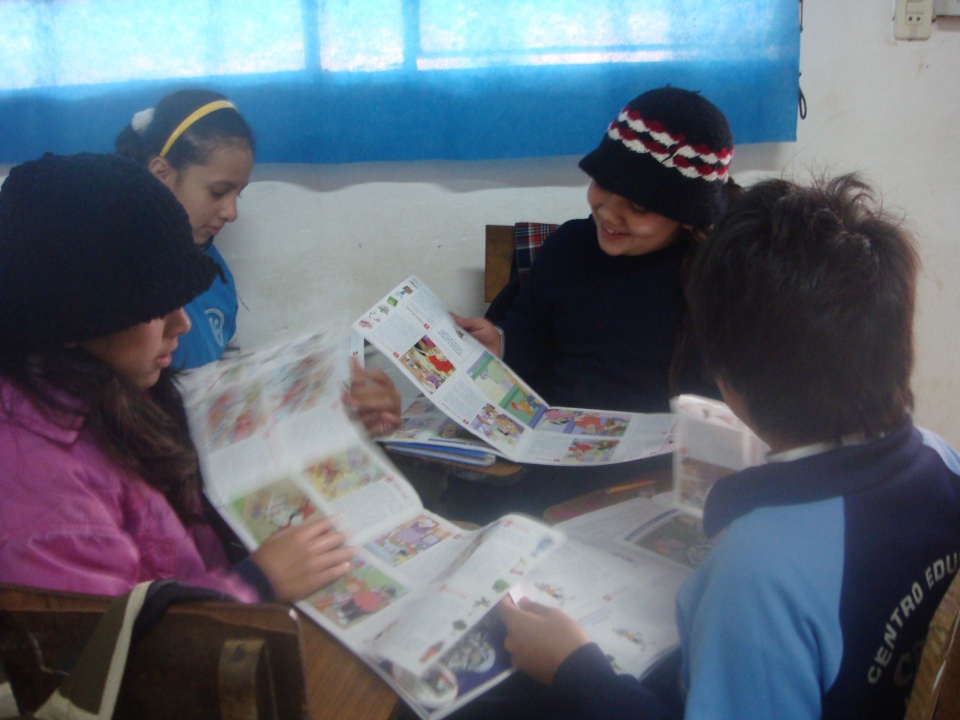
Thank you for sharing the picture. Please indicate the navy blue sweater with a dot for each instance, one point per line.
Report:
(593, 331)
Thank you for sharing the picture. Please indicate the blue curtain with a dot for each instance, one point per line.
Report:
(334, 81)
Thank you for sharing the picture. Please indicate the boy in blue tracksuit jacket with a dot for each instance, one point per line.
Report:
(830, 559)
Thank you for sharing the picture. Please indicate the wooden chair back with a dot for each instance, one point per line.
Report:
(511, 251)
(498, 259)
(200, 659)
(936, 689)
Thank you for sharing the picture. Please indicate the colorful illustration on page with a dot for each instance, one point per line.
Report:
(492, 378)
(427, 363)
(363, 592)
(479, 655)
(235, 372)
(343, 473)
(590, 451)
(450, 430)
(681, 539)
(503, 389)
(696, 477)
(524, 406)
(298, 386)
(234, 415)
(583, 422)
(273, 508)
(496, 427)
(437, 687)
(558, 420)
(408, 541)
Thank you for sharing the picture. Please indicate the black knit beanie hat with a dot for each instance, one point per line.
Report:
(91, 245)
(669, 151)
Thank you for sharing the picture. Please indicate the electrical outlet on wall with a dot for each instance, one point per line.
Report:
(912, 19)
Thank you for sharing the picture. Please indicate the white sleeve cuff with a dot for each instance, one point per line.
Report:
(503, 340)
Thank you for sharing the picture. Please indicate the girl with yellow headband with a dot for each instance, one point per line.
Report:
(199, 145)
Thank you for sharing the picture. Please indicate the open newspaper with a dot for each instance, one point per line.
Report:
(278, 448)
(618, 572)
(481, 393)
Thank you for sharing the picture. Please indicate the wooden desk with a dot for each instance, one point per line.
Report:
(655, 481)
(339, 685)
(429, 476)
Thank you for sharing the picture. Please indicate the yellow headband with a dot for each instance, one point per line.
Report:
(200, 112)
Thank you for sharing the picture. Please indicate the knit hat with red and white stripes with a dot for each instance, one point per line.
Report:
(668, 150)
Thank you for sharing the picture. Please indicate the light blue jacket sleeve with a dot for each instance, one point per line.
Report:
(759, 620)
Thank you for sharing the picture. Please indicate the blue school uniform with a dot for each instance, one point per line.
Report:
(213, 318)
(817, 596)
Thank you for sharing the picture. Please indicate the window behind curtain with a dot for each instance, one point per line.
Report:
(365, 80)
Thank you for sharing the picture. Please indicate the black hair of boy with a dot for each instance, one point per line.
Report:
(803, 300)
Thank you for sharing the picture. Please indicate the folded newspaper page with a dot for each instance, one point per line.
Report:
(618, 574)
(484, 396)
(278, 449)
(620, 568)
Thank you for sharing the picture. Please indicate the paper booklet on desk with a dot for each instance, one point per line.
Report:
(484, 396)
(629, 611)
(277, 448)
(426, 431)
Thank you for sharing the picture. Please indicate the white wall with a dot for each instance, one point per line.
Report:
(322, 243)
(891, 109)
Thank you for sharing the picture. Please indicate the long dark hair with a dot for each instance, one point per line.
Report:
(144, 431)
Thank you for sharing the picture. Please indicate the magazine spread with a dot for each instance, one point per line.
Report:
(278, 448)
(621, 566)
(481, 393)
(618, 575)
(628, 608)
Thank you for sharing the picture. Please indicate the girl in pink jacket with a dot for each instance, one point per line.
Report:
(99, 480)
